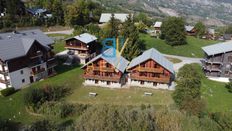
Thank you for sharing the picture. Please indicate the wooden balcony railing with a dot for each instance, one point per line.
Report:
(38, 71)
(149, 69)
(39, 54)
(105, 78)
(76, 47)
(152, 79)
(3, 72)
(214, 61)
(52, 63)
(5, 81)
(103, 69)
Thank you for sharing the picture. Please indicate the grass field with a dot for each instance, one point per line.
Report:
(192, 49)
(12, 107)
(215, 94)
(71, 77)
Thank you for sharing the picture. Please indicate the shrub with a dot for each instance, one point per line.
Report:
(8, 91)
(229, 87)
(37, 96)
(43, 125)
(66, 110)
(224, 120)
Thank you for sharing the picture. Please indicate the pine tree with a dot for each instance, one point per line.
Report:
(173, 31)
(113, 27)
(134, 46)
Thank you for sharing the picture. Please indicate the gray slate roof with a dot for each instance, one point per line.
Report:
(118, 62)
(218, 48)
(14, 45)
(189, 28)
(154, 55)
(105, 17)
(85, 38)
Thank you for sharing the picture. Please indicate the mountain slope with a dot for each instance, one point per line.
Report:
(212, 12)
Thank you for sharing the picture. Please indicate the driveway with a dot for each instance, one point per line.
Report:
(185, 60)
(67, 32)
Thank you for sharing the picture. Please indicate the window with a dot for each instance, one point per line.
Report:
(142, 82)
(23, 80)
(21, 71)
(96, 81)
(108, 82)
(154, 84)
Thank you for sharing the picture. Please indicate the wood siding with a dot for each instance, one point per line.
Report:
(102, 70)
(150, 71)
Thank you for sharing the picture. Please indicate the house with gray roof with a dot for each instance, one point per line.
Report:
(106, 70)
(151, 69)
(190, 30)
(218, 60)
(105, 17)
(25, 57)
(84, 46)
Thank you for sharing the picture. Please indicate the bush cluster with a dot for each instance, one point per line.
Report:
(8, 91)
(35, 97)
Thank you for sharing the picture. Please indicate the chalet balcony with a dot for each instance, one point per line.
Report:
(152, 79)
(149, 69)
(38, 71)
(76, 47)
(103, 69)
(52, 63)
(7, 82)
(36, 55)
(3, 72)
(214, 69)
(82, 55)
(105, 78)
(214, 61)
(35, 62)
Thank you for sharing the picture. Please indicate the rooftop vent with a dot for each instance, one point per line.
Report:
(9, 36)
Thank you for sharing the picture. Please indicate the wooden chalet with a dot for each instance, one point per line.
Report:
(218, 59)
(84, 46)
(106, 70)
(152, 70)
(157, 27)
(190, 30)
(25, 57)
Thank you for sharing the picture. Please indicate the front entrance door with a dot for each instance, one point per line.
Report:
(31, 79)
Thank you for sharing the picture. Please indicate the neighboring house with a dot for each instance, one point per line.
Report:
(25, 57)
(39, 12)
(218, 59)
(106, 70)
(227, 36)
(105, 17)
(151, 69)
(190, 30)
(210, 34)
(157, 27)
(84, 46)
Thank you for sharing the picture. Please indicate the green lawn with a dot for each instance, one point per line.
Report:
(217, 96)
(192, 49)
(58, 46)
